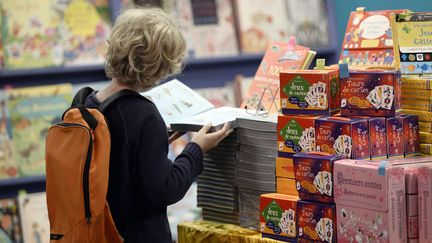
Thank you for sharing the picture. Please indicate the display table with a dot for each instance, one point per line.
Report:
(212, 232)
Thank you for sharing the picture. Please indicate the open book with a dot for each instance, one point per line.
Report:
(176, 101)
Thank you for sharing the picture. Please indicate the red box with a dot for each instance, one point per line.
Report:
(371, 93)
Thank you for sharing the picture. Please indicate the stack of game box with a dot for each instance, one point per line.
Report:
(255, 168)
(217, 194)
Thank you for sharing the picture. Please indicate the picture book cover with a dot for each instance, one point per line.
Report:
(34, 217)
(31, 34)
(413, 39)
(368, 41)
(176, 101)
(208, 27)
(86, 25)
(33, 110)
(8, 166)
(264, 90)
(260, 23)
(10, 228)
(219, 96)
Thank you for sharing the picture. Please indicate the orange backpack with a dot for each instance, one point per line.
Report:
(77, 168)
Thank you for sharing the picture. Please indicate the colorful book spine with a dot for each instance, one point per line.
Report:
(425, 137)
(424, 116)
(416, 82)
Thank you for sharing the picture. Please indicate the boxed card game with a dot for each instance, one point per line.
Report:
(416, 82)
(370, 93)
(364, 225)
(373, 186)
(278, 216)
(395, 137)
(425, 203)
(314, 176)
(316, 222)
(296, 134)
(411, 135)
(425, 127)
(348, 137)
(378, 138)
(424, 116)
(415, 94)
(284, 167)
(286, 186)
(425, 137)
(312, 92)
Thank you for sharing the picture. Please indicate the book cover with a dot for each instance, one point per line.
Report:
(260, 22)
(176, 101)
(413, 39)
(31, 34)
(86, 26)
(264, 90)
(368, 41)
(310, 23)
(34, 217)
(8, 166)
(33, 110)
(10, 228)
(219, 96)
(208, 27)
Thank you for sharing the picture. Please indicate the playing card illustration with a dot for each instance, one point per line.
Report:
(381, 97)
(324, 229)
(307, 140)
(343, 146)
(316, 97)
(287, 222)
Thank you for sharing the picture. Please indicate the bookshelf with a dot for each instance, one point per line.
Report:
(197, 73)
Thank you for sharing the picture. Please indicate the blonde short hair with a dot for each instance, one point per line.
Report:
(145, 46)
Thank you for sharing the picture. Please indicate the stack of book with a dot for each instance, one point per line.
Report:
(217, 194)
(416, 71)
(255, 169)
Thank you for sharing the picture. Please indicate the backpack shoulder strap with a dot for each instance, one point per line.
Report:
(81, 95)
(118, 95)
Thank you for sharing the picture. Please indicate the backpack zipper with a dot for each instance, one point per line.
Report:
(86, 172)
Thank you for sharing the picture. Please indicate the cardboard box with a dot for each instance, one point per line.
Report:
(425, 148)
(285, 167)
(413, 227)
(296, 134)
(420, 105)
(278, 216)
(372, 186)
(316, 222)
(412, 205)
(395, 137)
(348, 137)
(286, 186)
(370, 93)
(425, 203)
(365, 225)
(411, 182)
(312, 92)
(314, 176)
(411, 135)
(378, 138)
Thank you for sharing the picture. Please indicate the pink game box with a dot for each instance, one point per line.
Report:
(373, 186)
(425, 203)
(363, 225)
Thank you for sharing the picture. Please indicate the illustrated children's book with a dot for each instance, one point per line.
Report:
(368, 41)
(34, 217)
(31, 34)
(413, 39)
(8, 166)
(176, 101)
(86, 25)
(33, 110)
(264, 90)
(208, 27)
(10, 228)
(260, 22)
